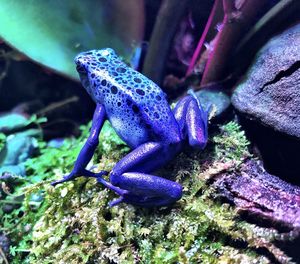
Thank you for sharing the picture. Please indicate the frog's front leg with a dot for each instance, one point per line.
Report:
(88, 149)
(192, 121)
(143, 189)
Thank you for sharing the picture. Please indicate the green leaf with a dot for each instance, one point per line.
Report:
(53, 32)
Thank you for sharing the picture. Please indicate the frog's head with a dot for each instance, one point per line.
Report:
(92, 66)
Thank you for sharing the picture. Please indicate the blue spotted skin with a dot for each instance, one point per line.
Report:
(139, 112)
(133, 103)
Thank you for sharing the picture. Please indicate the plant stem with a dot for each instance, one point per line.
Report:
(281, 15)
(169, 15)
(56, 105)
(235, 24)
(203, 37)
(3, 256)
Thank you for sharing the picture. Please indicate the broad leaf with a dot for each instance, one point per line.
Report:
(53, 32)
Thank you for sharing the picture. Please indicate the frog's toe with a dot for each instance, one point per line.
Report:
(101, 173)
(68, 177)
(126, 197)
(116, 201)
(54, 183)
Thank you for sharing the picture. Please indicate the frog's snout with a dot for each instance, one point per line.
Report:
(78, 60)
(79, 64)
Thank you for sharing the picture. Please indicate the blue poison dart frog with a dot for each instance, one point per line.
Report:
(140, 114)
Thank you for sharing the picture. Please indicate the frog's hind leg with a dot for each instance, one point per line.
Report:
(148, 190)
(130, 174)
(192, 121)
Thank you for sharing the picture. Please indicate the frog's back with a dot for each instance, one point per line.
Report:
(136, 107)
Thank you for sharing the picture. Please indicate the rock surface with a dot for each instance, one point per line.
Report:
(268, 103)
(270, 92)
(214, 98)
(18, 148)
(4, 244)
(11, 121)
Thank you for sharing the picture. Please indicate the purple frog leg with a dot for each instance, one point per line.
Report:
(143, 189)
(192, 121)
(88, 149)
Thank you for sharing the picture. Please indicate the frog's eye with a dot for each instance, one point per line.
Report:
(80, 69)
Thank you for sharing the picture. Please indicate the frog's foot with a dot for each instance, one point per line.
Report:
(84, 173)
(65, 178)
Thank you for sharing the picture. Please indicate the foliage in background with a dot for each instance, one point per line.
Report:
(75, 225)
(54, 32)
(2, 140)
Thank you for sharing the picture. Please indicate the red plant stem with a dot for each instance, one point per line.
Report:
(228, 7)
(235, 25)
(202, 39)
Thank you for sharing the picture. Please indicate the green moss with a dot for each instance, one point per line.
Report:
(75, 224)
(231, 144)
(2, 141)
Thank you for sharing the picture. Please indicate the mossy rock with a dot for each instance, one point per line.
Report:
(76, 225)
